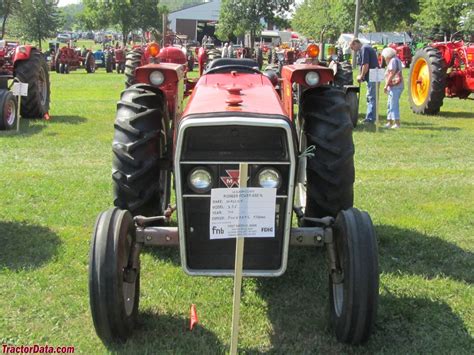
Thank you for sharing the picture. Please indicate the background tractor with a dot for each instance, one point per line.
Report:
(236, 114)
(442, 69)
(26, 64)
(70, 58)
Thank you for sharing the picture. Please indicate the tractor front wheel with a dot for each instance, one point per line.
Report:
(427, 83)
(330, 172)
(352, 100)
(114, 276)
(354, 284)
(8, 105)
(141, 177)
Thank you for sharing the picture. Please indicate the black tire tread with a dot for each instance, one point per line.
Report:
(330, 173)
(361, 272)
(133, 60)
(436, 94)
(140, 126)
(27, 71)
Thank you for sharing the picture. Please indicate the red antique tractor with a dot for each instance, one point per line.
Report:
(152, 53)
(114, 59)
(24, 63)
(69, 58)
(442, 69)
(403, 53)
(236, 114)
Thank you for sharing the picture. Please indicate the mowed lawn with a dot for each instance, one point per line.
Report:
(416, 182)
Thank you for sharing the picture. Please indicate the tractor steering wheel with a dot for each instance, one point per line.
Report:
(229, 68)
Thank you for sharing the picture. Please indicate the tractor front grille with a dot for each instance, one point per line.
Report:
(219, 145)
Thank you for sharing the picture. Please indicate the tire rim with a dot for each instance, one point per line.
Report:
(128, 288)
(10, 113)
(420, 82)
(338, 288)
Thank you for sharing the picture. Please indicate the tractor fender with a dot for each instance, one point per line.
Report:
(22, 52)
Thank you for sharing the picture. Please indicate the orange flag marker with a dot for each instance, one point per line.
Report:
(194, 317)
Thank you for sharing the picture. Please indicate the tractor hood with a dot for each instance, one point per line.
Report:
(234, 92)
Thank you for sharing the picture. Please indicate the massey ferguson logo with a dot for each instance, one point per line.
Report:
(232, 179)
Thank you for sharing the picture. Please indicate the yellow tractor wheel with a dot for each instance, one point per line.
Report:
(427, 81)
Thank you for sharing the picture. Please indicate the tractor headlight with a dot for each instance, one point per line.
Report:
(312, 78)
(22, 49)
(157, 78)
(269, 178)
(200, 180)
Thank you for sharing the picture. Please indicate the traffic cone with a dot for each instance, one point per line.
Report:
(194, 317)
(46, 116)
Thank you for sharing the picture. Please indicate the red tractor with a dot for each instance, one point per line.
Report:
(26, 64)
(152, 53)
(236, 114)
(115, 60)
(69, 58)
(442, 69)
(403, 53)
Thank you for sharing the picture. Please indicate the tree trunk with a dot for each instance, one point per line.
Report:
(124, 38)
(4, 22)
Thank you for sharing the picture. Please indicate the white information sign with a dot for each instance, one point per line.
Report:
(20, 89)
(376, 75)
(244, 212)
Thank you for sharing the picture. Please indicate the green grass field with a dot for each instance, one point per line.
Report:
(416, 182)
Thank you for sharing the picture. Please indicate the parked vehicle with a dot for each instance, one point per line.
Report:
(439, 70)
(26, 64)
(70, 58)
(236, 114)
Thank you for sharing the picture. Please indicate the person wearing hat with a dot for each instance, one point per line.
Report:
(393, 86)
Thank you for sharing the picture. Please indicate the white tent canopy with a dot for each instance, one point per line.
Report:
(373, 38)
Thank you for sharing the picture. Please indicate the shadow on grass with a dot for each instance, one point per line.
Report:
(409, 251)
(457, 114)
(298, 305)
(26, 246)
(160, 334)
(428, 126)
(30, 127)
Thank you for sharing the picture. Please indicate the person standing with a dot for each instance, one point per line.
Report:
(393, 86)
(367, 60)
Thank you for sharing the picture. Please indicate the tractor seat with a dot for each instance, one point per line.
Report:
(227, 65)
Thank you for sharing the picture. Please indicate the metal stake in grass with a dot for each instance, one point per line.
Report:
(239, 258)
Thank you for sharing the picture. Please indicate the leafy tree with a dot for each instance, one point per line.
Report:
(238, 17)
(7, 7)
(337, 16)
(444, 15)
(71, 14)
(36, 20)
(127, 15)
(389, 15)
(329, 17)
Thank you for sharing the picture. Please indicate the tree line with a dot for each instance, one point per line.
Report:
(432, 18)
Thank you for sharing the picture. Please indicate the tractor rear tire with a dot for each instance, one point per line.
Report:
(132, 61)
(34, 71)
(141, 179)
(330, 173)
(427, 81)
(344, 74)
(352, 100)
(114, 280)
(90, 63)
(354, 288)
(8, 105)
